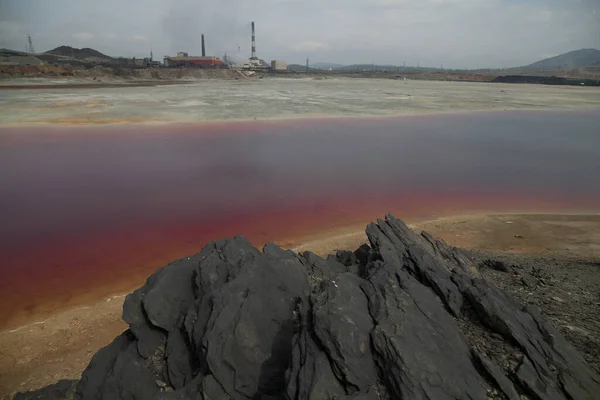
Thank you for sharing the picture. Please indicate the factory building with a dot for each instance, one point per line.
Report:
(183, 59)
(278, 65)
(191, 61)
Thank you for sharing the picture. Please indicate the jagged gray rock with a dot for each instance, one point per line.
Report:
(61, 390)
(406, 317)
(342, 324)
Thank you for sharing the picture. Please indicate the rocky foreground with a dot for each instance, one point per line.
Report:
(407, 317)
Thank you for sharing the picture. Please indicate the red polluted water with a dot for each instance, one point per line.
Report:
(92, 210)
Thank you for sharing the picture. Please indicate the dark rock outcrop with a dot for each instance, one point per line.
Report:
(407, 317)
(61, 390)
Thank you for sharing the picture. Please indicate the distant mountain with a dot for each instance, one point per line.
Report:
(362, 68)
(9, 52)
(79, 54)
(298, 68)
(387, 68)
(574, 59)
(326, 65)
(583, 58)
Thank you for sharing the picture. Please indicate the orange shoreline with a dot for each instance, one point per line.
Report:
(93, 214)
(120, 286)
(255, 125)
(60, 346)
(120, 280)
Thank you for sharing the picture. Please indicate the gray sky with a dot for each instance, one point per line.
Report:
(455, 33)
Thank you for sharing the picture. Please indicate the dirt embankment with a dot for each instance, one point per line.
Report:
(461, 76)
(109, 75)
(19, 71)
(120, 74)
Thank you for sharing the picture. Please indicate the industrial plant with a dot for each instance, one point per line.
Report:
(185, 60)
(64, 60)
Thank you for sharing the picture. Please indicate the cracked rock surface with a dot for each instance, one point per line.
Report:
(407, 317)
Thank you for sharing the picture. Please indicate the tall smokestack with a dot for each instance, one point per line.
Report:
(253, 42)
(203, 48)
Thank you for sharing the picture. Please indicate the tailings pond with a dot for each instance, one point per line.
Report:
(87, 211)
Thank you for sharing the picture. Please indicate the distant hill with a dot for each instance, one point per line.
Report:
(383, 68)
(79, 54)
(13, 57)
(326, 65)
(360, 68)
(574, 59)
(578, 59)
(9, 52)
(298, 68)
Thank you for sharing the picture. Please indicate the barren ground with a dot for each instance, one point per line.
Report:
(557, 256)
(273, 98)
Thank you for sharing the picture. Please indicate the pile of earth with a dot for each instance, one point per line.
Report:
(84, 53)
(407, 317)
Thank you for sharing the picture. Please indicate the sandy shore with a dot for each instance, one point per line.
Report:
(59, 347)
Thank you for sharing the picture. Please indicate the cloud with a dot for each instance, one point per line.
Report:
(477, 33)
(308, 46)
(13, 34)
(84, 36)
(541, 16)
(186, 20)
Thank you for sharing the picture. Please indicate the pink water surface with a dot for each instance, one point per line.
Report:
(89, 211)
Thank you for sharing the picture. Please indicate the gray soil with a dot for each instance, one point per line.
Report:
(567, 290)
(548, 261)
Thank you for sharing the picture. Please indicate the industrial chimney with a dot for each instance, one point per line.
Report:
(203, 48)
(253, 43)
